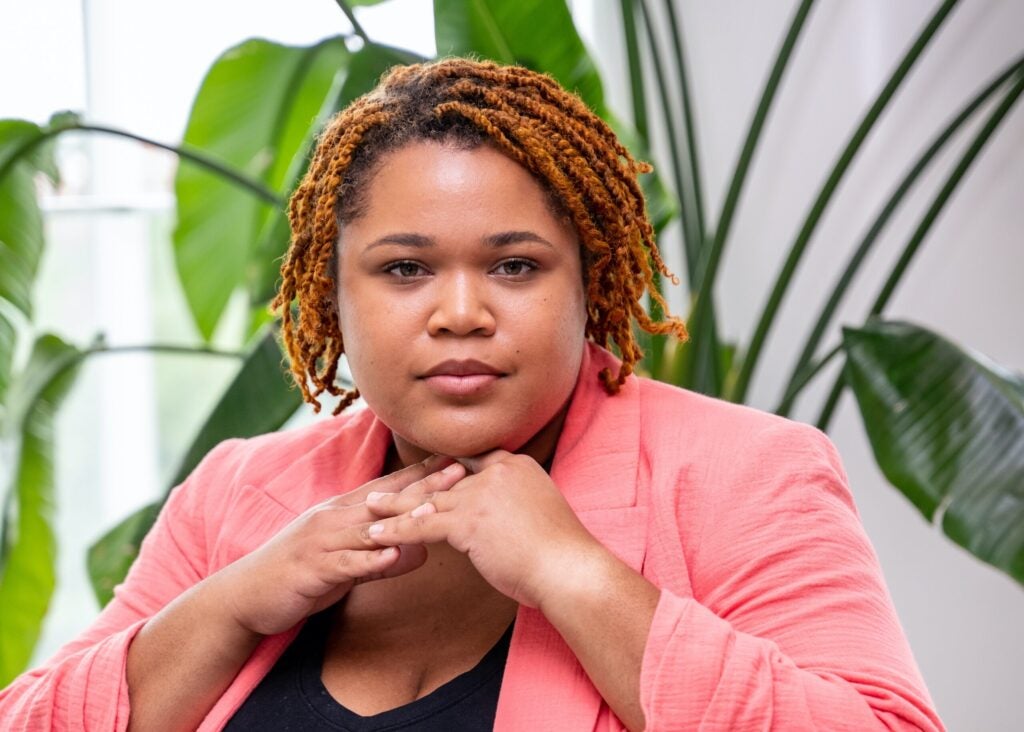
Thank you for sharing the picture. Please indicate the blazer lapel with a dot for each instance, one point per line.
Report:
(595, 468)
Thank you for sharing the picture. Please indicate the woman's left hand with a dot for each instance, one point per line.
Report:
(508, 516)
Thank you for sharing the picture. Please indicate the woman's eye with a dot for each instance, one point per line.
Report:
(515, 267)
(404, 269)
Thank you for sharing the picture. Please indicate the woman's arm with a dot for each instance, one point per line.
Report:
(794, 629)
(178, 630)
(83, 687)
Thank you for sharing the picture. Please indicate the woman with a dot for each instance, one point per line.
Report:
(517, 532)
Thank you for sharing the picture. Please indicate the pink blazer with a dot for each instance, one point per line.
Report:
(773, 614)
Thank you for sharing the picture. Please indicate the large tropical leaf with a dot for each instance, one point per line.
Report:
(21, 223)
(27, 544)
(361, 73)
(260, 399)
(254, 111)
(538, 34)
(947, 429)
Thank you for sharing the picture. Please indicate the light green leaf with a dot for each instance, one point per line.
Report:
(21, 223)
(27, 544)
(947, 429)
(254, 111)
(363, 71)
(260, 399)
(537, 34)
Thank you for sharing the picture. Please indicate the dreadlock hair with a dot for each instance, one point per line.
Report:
(589, 175)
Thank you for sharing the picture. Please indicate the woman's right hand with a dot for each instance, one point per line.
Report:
(318, 557)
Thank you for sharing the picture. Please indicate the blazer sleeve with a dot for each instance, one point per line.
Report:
(83, 686)
(790, 626)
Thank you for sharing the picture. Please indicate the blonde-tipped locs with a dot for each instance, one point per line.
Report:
(573, 153)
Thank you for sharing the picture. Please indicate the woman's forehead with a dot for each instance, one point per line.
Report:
(430, 185)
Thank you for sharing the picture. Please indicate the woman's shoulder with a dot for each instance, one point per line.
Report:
(258, 460)
(734, 437)
(288, 444)
(672, 407)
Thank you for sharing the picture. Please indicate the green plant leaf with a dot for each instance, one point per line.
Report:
(537, 34)
(361, 74)
(27, 543)
(22, 155)
(260, 399)
(947, 429)
(8, 342)
(253, 111)
(109, 559)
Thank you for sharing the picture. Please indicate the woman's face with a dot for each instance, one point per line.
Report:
(461, 303)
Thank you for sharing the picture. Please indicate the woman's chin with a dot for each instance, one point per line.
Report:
(470, 444)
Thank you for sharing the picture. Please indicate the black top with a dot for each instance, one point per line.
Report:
(293, 697)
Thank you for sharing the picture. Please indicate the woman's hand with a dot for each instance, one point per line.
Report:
(318, 557)
(508, 516)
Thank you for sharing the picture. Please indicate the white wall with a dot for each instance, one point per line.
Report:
(964, 620)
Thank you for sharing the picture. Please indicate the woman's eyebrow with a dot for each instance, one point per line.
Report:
(514, 237)
(419, 241)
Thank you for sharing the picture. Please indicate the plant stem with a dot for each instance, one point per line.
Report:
(739, 176)
(704, 372)
(807, 375)
(691, 237)
(352, 19)
(215, 166)
(703, 325)
(638, 96)
(689, 127)
(162, 348)
(824, 196)
(895, 200)
(652, 346)
(928, 220)
(699, 320)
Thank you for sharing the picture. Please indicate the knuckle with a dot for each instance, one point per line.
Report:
(343, 561)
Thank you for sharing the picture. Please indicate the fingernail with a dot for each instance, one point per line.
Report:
(422, 510)
(452, 469)
(375, 530)
(373, 496)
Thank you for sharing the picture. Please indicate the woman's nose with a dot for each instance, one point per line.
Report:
(461, 307)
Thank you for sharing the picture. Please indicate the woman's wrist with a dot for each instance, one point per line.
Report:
(573, 578)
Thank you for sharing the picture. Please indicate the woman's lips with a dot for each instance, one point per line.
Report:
(461, 385)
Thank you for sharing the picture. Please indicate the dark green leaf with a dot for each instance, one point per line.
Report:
(253, 111)
(109, 558)
(28, 547)
(260, 399)
(537, 34)
(947, 429)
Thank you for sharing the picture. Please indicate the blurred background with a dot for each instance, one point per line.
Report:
(109, 262)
